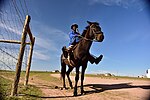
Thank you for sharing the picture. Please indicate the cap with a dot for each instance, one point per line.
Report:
(74, 25)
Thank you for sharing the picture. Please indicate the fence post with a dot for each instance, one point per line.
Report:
(29, 62)
(20, 57)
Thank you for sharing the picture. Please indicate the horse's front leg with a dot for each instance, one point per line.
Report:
(76, 81)
(68, 73)
(82, 77)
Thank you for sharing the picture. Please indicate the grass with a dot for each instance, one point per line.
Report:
(5, 88)
(47, 77)
(44, 75)
(30, 92)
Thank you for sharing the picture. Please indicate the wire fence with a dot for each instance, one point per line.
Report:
(12, 17)
(15, 34)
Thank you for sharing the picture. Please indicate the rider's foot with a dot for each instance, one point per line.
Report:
(98, 59)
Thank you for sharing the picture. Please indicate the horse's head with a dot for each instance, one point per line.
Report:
(95, 32)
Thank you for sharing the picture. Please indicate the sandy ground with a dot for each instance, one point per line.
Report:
(96, 89)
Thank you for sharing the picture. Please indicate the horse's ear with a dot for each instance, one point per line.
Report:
(89, 22)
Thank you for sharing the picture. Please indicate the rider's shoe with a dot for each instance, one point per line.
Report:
(98, 59)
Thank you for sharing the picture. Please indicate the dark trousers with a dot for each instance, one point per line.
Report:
(91, 58)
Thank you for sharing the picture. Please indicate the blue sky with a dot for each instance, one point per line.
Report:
(125, 23)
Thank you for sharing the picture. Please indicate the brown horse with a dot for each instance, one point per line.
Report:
(81, 54)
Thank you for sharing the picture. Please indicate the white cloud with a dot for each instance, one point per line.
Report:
(48, 41)
(45, 44)
(48, 33)
(137, 4)
(9, 28)
(40, 55)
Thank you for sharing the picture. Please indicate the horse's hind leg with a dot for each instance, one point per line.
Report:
(68, 73)
(63, 73)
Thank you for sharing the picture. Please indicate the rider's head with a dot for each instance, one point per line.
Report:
(74, 27)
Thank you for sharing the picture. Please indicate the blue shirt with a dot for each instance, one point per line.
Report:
(74, 38)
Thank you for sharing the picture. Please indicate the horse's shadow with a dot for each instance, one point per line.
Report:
(96, 88)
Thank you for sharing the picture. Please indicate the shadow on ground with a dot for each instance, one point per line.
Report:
(103, 87)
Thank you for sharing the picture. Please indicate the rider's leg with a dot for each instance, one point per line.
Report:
(94, 59)
(66, 51)
(69, 51)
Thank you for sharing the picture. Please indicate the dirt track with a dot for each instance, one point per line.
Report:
(97, 89)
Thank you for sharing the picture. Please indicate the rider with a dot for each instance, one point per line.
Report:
(75, 36)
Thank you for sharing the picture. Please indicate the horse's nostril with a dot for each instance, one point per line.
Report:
(96, 38)
(100, 37)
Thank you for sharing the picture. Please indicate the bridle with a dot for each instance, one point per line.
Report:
(94, 32)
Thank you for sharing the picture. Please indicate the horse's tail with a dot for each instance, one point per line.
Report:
(63, 67)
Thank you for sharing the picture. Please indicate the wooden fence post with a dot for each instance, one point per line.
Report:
(29, 62)
(20, 57)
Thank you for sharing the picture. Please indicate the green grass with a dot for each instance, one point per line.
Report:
(46, 76)
(5, 87)
(30, 92)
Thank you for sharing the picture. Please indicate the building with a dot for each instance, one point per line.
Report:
(148, 73)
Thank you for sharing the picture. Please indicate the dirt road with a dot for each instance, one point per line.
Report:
(97, 89)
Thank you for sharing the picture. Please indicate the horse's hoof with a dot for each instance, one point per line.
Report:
(63, 88)
(56, 87)
(75, 94)
(71, 87)
(82, 92)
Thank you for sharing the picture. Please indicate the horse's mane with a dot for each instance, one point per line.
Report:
(85, 30)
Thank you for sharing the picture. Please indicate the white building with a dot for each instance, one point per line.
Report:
(148, 73)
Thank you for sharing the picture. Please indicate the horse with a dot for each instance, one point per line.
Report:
(81, 55)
